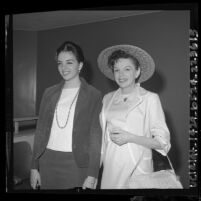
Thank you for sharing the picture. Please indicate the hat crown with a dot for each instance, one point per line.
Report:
(147, 65)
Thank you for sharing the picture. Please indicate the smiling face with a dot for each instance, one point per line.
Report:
(68, 65)
(125, 73)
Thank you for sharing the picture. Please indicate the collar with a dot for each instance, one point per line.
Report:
(57, 92)
(138, 93)
(83, 85)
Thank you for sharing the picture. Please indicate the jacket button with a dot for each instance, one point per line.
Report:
(74, 146)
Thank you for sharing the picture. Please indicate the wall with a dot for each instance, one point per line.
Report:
(165, 35)
(24, 73)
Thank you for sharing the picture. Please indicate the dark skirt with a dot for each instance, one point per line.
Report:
(58, 170)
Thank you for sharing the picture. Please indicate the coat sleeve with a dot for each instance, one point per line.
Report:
(158, 127)
(95, 139)
(102, 124)
(34, 162)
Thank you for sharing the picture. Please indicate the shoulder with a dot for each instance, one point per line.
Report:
(51, 89)
(94, 90)
(149, 95)
(108, 96)
(152, 99)
(91, 91)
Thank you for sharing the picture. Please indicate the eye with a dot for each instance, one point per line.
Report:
(116, 70)
(127, 69)
(69, 63)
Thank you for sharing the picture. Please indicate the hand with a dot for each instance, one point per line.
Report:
(90, 182)
(35, 179)
(119, 136)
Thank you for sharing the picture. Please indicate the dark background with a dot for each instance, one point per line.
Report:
(164, 35)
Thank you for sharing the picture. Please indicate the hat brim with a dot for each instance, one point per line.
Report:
(147, 65)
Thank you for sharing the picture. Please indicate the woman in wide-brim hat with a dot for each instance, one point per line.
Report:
(132, 118)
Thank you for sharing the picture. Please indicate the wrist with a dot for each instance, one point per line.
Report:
(130, 137)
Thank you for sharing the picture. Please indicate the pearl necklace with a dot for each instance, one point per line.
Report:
(57, 119)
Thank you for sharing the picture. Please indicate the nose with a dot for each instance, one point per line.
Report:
(63, 66)
(121, 74)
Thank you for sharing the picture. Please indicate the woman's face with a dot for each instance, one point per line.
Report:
(68, 65)
(125, 72)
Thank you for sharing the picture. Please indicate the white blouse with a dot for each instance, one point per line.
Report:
(61, 138)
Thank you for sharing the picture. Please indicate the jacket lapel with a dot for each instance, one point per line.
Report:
(81, 100)
(138, 99)
(54, 97)
(51, 105)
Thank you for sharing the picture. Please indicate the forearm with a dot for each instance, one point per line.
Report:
(144, 141)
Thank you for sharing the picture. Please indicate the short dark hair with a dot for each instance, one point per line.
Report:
(117, 54)
(69, 46)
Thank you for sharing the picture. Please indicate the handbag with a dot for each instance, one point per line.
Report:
(163, 179)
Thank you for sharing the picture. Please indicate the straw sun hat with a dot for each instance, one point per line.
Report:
(146, 62)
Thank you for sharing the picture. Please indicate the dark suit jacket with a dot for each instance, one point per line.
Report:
(86, 136)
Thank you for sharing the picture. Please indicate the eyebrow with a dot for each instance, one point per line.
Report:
(66, 60)
(124, 67)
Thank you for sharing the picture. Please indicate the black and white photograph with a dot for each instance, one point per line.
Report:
(103, 101)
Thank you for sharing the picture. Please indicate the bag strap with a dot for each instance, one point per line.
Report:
(170, 163)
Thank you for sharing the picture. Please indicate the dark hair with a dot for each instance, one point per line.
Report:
(69, 46)
(117, 54)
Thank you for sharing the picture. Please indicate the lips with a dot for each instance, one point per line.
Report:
(65, 73)
(122, 80)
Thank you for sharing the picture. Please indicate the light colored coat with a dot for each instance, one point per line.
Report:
(144, 118)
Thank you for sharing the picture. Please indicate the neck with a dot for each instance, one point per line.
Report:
(129, 89)
(72, 83)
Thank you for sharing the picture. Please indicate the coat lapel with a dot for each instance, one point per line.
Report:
(81, 100)
(138, 99)
(54, 97)
(51, 105)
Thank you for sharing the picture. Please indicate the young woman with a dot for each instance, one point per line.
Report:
(68, 135)
(132, 118)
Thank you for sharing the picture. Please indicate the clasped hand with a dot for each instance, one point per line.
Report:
(119, 136)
